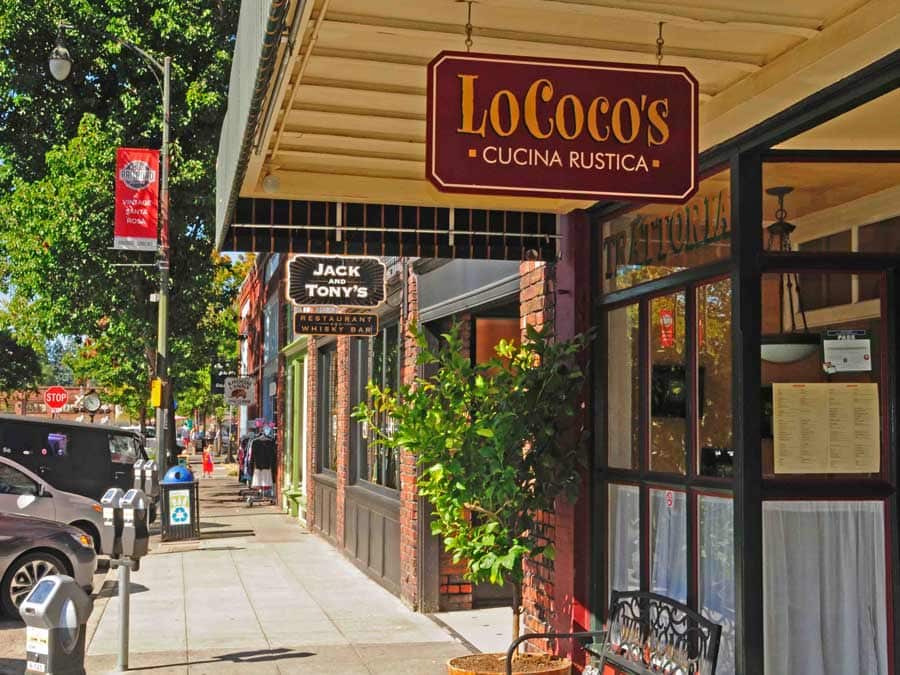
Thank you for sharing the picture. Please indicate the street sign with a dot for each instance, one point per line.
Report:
(240, 391)
(322, 323)
(155, 392)
(217, 380)
(546, 127)
(336, 281)
(56, 398)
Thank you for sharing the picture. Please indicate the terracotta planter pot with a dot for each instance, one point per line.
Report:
(455, 667)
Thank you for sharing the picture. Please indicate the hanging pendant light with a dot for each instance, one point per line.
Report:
(793, 346)
(60, 60)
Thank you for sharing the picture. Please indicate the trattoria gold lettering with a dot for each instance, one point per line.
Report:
(628, 120)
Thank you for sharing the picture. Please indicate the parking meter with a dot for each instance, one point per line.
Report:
(151, 478)
(135, 530)
(111, 537)
(138, 475)
(55, 614)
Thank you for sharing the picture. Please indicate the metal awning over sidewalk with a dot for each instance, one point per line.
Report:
(327, 103)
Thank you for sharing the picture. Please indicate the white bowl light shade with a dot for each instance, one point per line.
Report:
(271, 183)
(60, 63)
(786, 352)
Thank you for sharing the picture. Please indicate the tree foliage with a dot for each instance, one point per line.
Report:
(20, 365)
(498, 442)
(57, 147)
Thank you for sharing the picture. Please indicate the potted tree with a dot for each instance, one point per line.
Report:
(498, 443)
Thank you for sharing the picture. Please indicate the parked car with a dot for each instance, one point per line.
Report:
(26, 493)
(31, 548)
(85, 459)
(148, 438)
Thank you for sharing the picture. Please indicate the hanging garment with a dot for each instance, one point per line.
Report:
(262, 478)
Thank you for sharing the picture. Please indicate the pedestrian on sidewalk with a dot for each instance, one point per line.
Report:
(207, 463)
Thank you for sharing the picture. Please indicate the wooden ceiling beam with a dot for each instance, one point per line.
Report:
(346, 146)
(516, 42)
(734, 18)
(405, 192)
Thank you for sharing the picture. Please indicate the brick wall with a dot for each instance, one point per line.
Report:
(342, 444)
(555, 593)
(409, 505)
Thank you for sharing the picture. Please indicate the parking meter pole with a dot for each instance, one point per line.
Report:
(124, 611)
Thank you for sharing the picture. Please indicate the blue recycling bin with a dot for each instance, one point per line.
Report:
(179, 496)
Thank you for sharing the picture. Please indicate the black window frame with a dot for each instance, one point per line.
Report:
(364, 364)
(326, 360)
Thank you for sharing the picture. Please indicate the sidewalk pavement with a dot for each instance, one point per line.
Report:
(259, 594)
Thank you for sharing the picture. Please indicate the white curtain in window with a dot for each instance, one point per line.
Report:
(717, 573)
(624, 538)
(668, 544)
(824, 588)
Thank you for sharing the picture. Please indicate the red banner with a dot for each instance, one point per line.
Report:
(137, 198)
(559, 128)
(666, 328)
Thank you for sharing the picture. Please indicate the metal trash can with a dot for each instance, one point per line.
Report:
(179, 499)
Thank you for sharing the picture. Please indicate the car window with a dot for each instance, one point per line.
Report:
(122, 449)
(14, 482)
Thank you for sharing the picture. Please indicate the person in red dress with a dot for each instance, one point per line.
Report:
(207, 463)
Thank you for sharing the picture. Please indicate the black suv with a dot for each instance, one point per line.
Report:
(82, 458)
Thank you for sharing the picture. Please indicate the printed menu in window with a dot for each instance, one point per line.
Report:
(826, 428)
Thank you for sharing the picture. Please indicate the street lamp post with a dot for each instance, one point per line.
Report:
(60, 63)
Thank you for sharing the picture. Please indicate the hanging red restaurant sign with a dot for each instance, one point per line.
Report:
(666, 328)
(561, 128)
(137, 198)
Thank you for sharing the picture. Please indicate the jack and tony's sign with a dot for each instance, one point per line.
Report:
(561, 128)
(336, 281)
(137, 199)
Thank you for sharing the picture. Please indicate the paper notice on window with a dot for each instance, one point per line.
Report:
(847, 356)
(826, 428)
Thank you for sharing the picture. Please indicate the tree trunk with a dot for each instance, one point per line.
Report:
(517, 610)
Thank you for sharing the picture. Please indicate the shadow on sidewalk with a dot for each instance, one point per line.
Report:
(12, 666)
(255, 656)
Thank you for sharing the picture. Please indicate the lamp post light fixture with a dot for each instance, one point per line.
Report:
(60, 63)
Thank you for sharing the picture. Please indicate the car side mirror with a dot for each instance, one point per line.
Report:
(42, 491)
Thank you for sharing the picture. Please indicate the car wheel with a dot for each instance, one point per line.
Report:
(23, 574)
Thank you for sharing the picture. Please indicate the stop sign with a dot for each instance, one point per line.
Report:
(56, 398)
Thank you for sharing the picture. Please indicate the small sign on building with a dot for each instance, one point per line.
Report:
(327, 323)
(240, 391)
(337, 281)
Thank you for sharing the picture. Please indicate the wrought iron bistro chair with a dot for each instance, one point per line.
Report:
(646, 634)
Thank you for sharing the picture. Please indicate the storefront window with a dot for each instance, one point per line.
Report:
(668, 543)
(659, 239)
(327, 407)
(668, 384)
(828, 203)
(623, 387)
(716, 572)
(624, 538)
(270, 329)
(378, 464)
(846, 422)
(824, 587)
(714, 378)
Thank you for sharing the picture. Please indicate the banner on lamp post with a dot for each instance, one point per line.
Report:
(137, 199)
